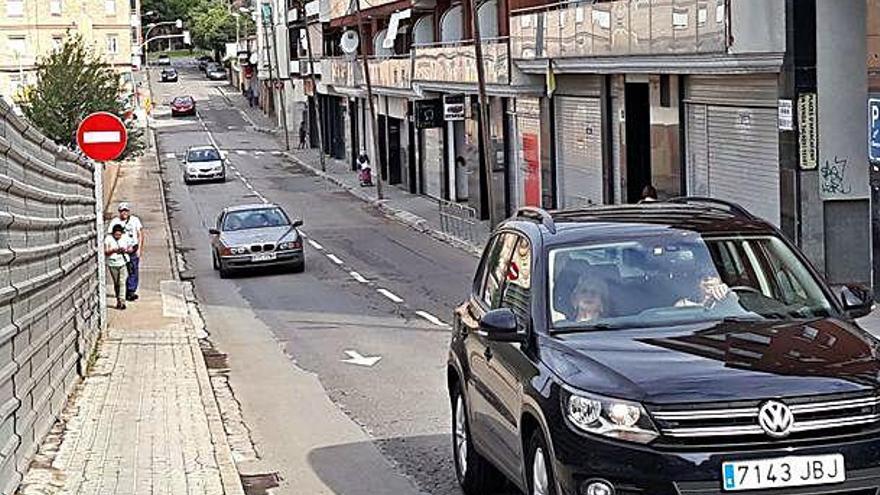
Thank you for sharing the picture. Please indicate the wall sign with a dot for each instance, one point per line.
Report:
(428, 113)
(454, 107)
(786, 115)
(807, 135)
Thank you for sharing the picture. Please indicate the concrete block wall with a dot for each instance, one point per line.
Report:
(49, 303)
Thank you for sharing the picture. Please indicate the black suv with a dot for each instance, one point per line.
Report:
(670, 348)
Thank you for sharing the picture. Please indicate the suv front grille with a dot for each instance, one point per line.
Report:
(738, 423)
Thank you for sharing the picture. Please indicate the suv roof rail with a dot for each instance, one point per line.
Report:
(539, 215)
(712, 202)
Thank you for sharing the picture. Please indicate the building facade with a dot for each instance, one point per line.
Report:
(30, 29)
(751, 101)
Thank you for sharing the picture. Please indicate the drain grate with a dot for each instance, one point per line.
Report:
(215, 360)
(259, 484)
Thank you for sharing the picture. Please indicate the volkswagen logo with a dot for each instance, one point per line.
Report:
(775, 419)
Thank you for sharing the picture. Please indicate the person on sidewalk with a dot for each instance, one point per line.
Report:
(303, 133)
(134, 230)
(118, 249)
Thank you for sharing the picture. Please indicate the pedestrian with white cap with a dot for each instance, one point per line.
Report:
(134, 231)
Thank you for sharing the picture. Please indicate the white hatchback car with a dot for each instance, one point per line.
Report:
(203, 163)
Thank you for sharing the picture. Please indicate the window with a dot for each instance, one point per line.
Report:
(57, 40)
(55, 7)
(17, 45)
(15, 8)
(495, 266)
(673, 279)
(110, 7)
(517, 292)
(112, 43)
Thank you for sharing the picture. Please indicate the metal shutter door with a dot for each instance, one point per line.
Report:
(744, 158)
(432, 162)
(698, 151)
(579, 151)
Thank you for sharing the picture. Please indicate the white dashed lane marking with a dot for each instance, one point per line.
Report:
(357, 276)
(390, 295)
(170, 155)
(334, 258)
(431, 318)
(315, 245)
(240, 152)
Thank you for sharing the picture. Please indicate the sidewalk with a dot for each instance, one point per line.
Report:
(144, 420)
(417, 211)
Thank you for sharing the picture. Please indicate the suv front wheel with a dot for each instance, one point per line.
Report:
(541, 479)
(475, 474)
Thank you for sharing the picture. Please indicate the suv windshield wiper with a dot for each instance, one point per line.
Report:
(587, 328)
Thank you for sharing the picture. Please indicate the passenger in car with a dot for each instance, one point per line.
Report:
(589, 300)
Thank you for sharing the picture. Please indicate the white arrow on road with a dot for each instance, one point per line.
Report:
(354, 357)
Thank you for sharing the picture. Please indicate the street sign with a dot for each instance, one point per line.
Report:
(102, 136)
(874, 129)
(454, 107)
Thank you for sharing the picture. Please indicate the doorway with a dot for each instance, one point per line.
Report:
(638, 140)
(394, 162)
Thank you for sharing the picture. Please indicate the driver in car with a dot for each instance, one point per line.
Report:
(711, 291)
(588, 300)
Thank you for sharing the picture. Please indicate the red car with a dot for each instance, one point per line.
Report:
(183, 105)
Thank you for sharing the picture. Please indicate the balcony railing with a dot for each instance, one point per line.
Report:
(456, 62)
(623, 27)
(392, 72)
(340, 8)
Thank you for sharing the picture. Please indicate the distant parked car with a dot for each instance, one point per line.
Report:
(163, 60)
(169, 75)
(204, 163)
(251, 236)
(215, 72)
(203, 61)
(183, 105)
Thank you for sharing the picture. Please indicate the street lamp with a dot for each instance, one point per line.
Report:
(178, 23)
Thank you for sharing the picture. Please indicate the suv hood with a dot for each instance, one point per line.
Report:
(717, 361)
(267, 235)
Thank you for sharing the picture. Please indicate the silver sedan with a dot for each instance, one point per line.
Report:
(251, 236)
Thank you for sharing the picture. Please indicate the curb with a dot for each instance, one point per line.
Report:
(229, 476)
(404, 217)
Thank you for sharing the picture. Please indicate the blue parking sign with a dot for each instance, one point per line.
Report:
(874, 129)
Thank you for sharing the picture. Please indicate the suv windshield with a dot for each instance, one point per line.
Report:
(680, 278)
(205, 155)
(255, 219)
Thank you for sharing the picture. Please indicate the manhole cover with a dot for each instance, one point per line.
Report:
(259, 484)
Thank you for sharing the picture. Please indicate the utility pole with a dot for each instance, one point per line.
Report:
(267, 23)
(484, 111)
(305, 24)
(374, 123)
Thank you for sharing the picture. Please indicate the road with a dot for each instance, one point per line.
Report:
(371, 286)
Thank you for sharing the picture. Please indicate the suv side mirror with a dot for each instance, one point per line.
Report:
(213, 231)
(857, 300)
(499, 325)
(297, 223)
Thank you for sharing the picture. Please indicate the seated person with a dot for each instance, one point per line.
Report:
(710, 291)
(589, 300)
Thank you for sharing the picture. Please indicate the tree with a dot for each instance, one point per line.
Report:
(73, 81)
(213, 24)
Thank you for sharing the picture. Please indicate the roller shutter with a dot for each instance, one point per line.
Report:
(733, 141)
(579, 151)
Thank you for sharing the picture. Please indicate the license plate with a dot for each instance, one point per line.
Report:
(783, 472)
(263, 257)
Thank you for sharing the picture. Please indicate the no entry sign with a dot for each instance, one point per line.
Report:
(102, 136)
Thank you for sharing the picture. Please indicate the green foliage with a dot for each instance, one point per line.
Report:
(213, 24)
(73, 82)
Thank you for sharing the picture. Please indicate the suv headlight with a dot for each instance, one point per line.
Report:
(608, 417)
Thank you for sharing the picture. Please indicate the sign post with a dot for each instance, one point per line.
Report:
(874, 129)
(102, 136)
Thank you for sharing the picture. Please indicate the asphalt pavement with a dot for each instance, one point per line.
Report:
(372, 287)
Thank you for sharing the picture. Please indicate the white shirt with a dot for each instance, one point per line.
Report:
(116, 259)
(133, 227)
